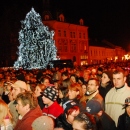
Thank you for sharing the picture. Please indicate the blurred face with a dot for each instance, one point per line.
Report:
(10, 95)
(72, 94)
(37, 91)
(70, 117)
(105, 78)
(47, 101)
(118, 80)
(64, 77)
(22, 110)
(60, 94)
(84, 88)
(77, 125)
(46, 82)
(73, 79)
(86, 76)
(128, 110)
(92, 86)
(15, 92)
(8, 87)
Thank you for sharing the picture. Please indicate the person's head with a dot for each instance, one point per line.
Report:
(4, 111)
(64, 75)
(75, 91)
(25, 102)
(45, 81)
(71, 109)
(106, 77)
(81, 80)
(65, 83)
(100, 71)
(84, 88)
(49, 95)
(127, 105)
(94, 107)
(10, 96)
(43, 123)
(86, 75)
(73, 78)
(63, 92)
(19, 87)
(93, 85)
(119, 78)
(39, 88)
(83, 121)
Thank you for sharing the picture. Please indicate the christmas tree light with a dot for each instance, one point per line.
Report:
(37, 47)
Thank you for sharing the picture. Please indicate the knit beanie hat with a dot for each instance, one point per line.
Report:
(109, 74)
(50, 92)
(93, 106)
(43, 123)
(127, 102)
(69, 104)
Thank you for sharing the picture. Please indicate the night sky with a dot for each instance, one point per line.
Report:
(106, 19)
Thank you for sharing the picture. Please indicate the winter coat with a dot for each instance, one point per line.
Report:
(114, 100)
(53, 111)
(26, 122)
(62, 123)
(107, 122)
(123, 122)
(13, 111)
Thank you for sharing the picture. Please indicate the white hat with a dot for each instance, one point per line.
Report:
(43, 123)
(20, 84)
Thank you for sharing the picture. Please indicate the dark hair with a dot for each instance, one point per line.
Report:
(88, 121)
(64, 90)
(65, 73)
(44, 78)
(119, 71)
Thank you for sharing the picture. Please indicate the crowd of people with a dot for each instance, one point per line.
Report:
(93, 97)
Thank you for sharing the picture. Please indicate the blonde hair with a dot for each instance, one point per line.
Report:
(4, 112)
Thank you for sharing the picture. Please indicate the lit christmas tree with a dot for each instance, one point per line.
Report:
(37, 46)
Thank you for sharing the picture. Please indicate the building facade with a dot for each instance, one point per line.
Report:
(71, 40)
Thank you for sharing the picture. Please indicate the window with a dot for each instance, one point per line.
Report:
(65, 45)
(59, 33)
(64, 33)
(79, 35)
(73, 47)
(61, 17)
(71, 34)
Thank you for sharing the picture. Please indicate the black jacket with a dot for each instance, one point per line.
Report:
(105, 122)
(104, 90)
(61, 122)
(123, 122)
